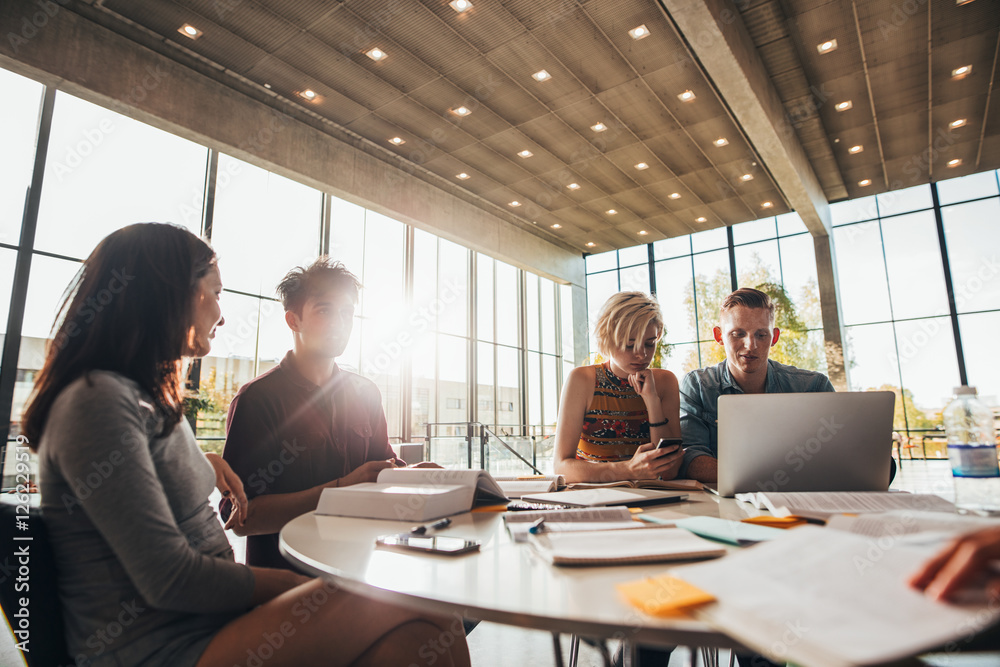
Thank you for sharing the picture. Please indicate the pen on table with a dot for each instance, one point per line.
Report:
(420, 530)
(537, 526)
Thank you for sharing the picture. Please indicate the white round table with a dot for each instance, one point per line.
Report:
(505, 582)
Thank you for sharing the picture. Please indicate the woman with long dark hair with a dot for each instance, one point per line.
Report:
(146, 575)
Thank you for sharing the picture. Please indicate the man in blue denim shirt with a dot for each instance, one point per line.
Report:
(747, 331)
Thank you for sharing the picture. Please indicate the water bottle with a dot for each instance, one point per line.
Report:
(972, 450)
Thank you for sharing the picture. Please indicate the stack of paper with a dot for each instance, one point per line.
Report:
(823, 504)
(827, 598)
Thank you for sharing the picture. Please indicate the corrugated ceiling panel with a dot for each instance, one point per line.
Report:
(636, 105)
(302, 13)
(325, 64)
(573, 35)
(486, 26)
(399, 68)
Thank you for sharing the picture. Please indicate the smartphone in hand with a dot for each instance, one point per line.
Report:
(671, 445)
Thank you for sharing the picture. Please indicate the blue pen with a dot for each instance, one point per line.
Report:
(537, 526)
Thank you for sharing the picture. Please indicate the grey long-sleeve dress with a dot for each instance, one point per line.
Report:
(146, 574)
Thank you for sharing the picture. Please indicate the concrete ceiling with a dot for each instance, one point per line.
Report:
(893, 61)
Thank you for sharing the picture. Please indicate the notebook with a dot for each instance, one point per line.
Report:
(603, 497)
(628, 546)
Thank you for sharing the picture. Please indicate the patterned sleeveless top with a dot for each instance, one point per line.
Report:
(616, 421)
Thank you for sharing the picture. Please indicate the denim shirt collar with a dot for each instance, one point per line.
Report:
(729, 385)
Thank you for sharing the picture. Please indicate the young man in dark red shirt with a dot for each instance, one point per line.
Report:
(306, 424)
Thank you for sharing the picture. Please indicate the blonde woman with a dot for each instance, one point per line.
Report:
(612, 414)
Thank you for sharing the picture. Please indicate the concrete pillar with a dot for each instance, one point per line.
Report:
(833, 331)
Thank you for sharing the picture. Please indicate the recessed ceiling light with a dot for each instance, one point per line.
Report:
(309, 95)
(573, 186)
(855, 149)
(954, 163)
(612, 211)
(397, 141)
(642, 232)
(514, 204)
(525, 153)
(557, 226)
(268, 86)
(460, 111)
(462, 176)
(675, 195)
(599, 127)
(766, 204)
(376, 54)
(190, 31)
(590, 244)
(639, 32)
(460, 5)
(961, 72)
(541, 75)
(641, 166)
(700, 219)
(865, 182)
(686, 96)
(827, 46)
(955, 124)
(843, 106)
(721, 141)
(746, 177)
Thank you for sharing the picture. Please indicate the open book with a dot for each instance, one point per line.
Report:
(665, 484)
(824, 504)
(413, 494)
(828, 598)
(515, 487)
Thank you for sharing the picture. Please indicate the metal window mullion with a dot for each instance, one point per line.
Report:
(22, 267)
(208, 207)
(472, 354)
(406, 370)
(324, 224)
(652, 269)
(949, 286)
(733, 280)
(522, 330)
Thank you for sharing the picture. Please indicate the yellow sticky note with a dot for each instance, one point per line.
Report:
(664, 595)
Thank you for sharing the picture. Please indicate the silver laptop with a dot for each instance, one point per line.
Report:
(821, 441)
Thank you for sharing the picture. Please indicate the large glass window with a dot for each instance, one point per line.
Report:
(19, 116)
(420, 304)
(105, 171)
(693, 275)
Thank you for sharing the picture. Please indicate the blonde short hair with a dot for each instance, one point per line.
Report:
(626, 315)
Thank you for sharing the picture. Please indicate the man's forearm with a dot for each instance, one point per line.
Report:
(704, 469)
(269, 513)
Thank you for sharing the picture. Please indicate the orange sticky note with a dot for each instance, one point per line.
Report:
(664, 595)
(776, 521)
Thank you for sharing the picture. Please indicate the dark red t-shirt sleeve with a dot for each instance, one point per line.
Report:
(249, 443)
(378, 446)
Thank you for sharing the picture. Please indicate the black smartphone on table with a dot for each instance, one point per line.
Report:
(435, 544)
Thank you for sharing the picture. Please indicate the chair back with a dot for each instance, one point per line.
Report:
(28, 574)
